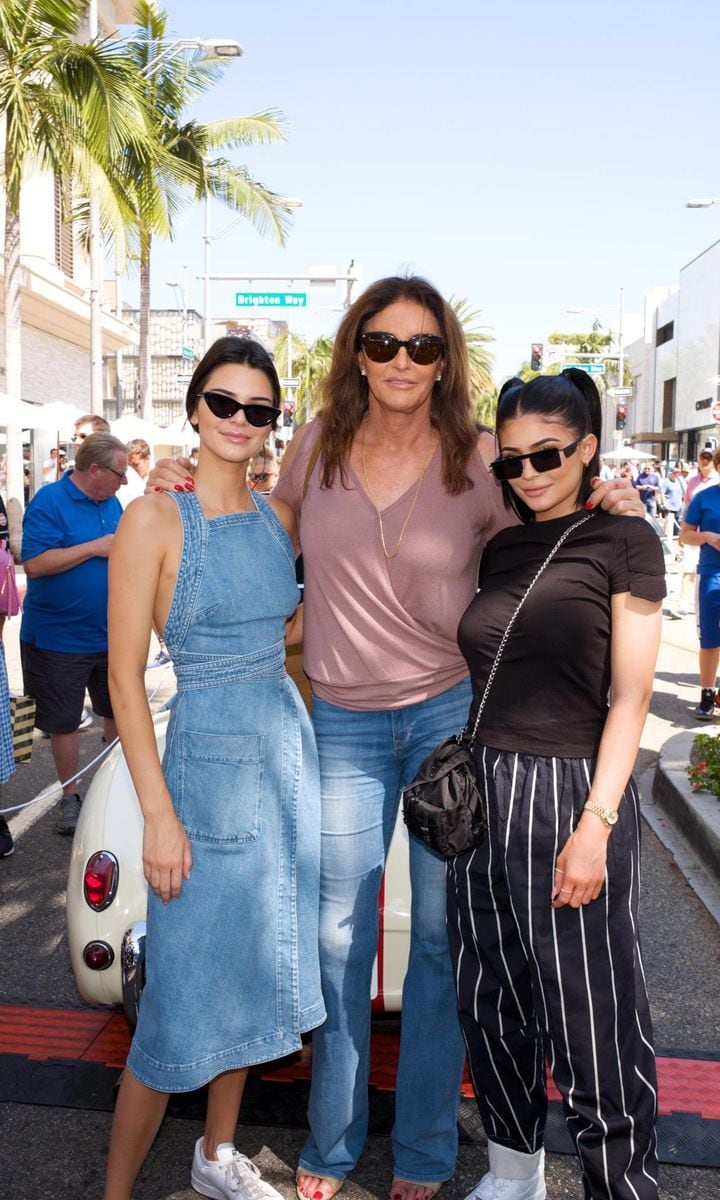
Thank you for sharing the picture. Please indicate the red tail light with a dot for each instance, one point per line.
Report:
(100, 880)
(98, 956)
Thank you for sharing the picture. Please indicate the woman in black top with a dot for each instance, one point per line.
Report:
(543, 916)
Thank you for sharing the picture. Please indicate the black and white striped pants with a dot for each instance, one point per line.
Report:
(567, 983)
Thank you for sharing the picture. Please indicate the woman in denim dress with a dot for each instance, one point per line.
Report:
(231, 840)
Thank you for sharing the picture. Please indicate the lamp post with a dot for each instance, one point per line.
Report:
(208, 238)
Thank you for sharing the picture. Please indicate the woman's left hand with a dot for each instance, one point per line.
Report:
(580, 867)
(616, 496)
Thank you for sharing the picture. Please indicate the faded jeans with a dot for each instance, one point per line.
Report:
(365, 760)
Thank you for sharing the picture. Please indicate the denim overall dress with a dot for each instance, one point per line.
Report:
(232, 964)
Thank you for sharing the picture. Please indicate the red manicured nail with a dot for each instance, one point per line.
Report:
(190, 487)
(588, 504)
(157, 489)
(189, 481)
(317, 1196)
(179, 487)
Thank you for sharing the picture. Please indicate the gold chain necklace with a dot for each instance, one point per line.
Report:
(372, 498)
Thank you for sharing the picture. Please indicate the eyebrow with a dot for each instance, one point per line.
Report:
(534, 446)
(234, 396)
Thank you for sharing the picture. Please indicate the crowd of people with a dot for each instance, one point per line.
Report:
(523, 949)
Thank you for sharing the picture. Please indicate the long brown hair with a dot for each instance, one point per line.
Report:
(344, 391)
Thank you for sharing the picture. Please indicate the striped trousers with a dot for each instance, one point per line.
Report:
(565, 983)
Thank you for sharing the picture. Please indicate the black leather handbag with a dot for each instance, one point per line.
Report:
(443, 806)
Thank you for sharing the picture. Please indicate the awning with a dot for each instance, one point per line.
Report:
(660, 435)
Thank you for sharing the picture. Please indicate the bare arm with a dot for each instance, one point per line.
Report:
(636, 627)
(691, 535)
(134, 583)
(54, 562)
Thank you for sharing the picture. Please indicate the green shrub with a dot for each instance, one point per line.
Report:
(704, 769)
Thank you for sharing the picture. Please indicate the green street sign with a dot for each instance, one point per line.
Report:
(594, 368)
(188, 352)
(270, 299)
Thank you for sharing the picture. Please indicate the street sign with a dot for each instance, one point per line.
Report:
(291, 383)
(188, 352)
(715, 410)
(270, 299)
(593, 368)
(623, 391)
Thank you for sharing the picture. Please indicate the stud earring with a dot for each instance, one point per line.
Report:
(363, 372)
(438, 378)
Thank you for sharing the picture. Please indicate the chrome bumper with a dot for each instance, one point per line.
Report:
(132, 969)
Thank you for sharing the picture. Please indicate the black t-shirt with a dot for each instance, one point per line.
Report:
(550, 693)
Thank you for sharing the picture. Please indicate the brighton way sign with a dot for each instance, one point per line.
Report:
(271, 299)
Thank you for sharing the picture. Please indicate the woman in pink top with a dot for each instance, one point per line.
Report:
(394, 504)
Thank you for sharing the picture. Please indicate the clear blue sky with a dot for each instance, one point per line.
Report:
(529, 157)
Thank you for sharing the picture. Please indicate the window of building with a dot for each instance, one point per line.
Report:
(668, 408)
(64, 248)
(665, 333)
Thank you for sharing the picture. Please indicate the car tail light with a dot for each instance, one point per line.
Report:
(100, 880)
(98, 956)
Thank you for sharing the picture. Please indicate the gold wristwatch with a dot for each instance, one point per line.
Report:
(608, 816)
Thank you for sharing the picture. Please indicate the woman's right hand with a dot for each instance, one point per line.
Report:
(167, 855)
(171, 475)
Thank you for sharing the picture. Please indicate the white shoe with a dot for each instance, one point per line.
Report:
(499, 1187)
(491, 1187)
(231, 1175)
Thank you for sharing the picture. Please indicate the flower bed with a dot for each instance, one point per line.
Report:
(704, 768)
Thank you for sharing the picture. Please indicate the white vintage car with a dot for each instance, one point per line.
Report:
(107, 893)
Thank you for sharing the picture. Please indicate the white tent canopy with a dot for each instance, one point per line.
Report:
(626, 454)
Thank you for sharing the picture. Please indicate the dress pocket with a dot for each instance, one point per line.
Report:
(219, 786)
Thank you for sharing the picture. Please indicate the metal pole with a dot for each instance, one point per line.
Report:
(207, 238)
(96, 362)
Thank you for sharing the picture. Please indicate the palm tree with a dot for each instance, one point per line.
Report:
(310, 364)
(480, 357)
(69, 108)
(195, 167)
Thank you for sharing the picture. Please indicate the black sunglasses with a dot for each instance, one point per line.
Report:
(540, 460)
(422, 348)
(224, 406)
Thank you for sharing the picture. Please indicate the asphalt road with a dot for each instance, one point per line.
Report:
(59, 1152)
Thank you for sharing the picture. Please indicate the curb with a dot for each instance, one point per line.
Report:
(697, 814)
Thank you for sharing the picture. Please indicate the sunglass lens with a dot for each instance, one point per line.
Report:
(380, 347)
(507, 468)
(221, 406)
(425, 348)
(546, 460)
(259, 414)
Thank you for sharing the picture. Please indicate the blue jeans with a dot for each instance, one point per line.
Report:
(365, 760)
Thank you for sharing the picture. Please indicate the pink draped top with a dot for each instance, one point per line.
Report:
(382, 633)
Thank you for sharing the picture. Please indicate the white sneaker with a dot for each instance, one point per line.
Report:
(231, 1175)
(491, 1187)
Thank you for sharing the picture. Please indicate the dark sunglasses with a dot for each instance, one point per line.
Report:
(261, 478)
(540, 460)
(422, 348)
(224, 406)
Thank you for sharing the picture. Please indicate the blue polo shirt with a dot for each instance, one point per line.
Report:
(704, 512)
(68, 611)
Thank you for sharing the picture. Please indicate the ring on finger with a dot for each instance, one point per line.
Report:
(567, 891)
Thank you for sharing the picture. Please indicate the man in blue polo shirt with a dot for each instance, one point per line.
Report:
(67, 534)
(702, 528)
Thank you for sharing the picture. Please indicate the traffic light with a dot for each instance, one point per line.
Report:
(620, 416)
(536, 356)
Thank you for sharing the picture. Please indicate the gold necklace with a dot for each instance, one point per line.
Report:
(371, 498)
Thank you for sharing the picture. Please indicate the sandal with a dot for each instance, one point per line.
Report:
(326, 1188)
(407, 1189)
